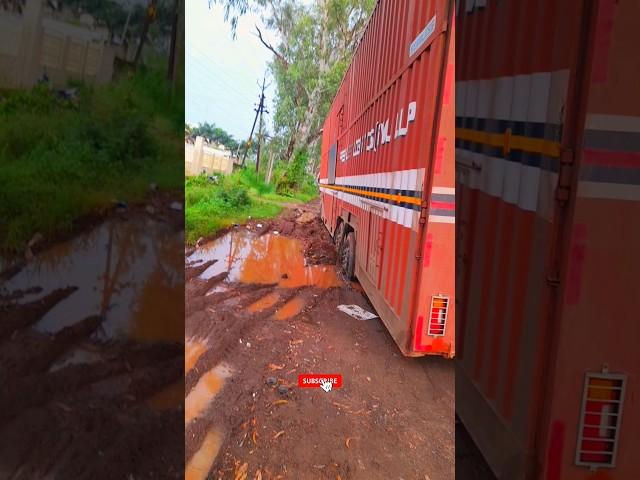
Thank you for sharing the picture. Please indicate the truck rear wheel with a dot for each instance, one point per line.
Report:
(348, 256)
(338, 236)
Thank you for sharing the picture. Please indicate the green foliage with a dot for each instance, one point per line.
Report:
(317, 41)
(62, 159)
(213, 134)
(113, 15)
(218, 202)
(291, 177)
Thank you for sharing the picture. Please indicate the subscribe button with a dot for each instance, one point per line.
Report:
(315, 380)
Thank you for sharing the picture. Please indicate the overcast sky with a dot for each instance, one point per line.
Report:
(222, 74)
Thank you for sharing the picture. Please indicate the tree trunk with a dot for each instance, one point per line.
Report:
(270, 168)
(305, 133)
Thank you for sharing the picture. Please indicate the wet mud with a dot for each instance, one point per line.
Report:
(91, 353)
(266, 310)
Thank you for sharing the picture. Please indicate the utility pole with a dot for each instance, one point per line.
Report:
(174, 38)
(149, 17)
(258, 111)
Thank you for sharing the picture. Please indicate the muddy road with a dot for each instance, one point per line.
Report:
(262, 307)
(91, 352)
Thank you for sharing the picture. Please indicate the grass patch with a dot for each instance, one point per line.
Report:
(211, 205)
(63, 159)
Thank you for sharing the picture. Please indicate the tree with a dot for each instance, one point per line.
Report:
(213, 134)
(314, 50)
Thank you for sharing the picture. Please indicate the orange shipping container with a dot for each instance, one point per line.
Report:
(547, 137)
(387, 171)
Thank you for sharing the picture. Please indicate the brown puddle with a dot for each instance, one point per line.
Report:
(204, 392)
(202, 461)
(265, 302)
(268, 259)
(130, 270)
(193, 350)
(168, 398)
(289, 309)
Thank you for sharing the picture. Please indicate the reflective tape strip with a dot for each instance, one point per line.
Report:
(377, 195)
(509, 142)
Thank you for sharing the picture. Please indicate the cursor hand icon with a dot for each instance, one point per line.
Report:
(326, 386)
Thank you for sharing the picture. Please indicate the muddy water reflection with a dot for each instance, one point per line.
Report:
(263, 303)
(202, 461)
(205, 391)
(268, 259)
(289, 309)
(132, 271)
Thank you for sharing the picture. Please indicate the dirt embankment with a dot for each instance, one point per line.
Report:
(265, 311)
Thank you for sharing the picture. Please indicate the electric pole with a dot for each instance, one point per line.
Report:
(149, 17)
(259, 111)
(171, 70)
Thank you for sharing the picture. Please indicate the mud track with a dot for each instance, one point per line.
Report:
(245, 415)
(107, 418)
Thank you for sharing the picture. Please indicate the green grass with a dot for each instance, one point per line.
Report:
(62, 160)
(210, 206)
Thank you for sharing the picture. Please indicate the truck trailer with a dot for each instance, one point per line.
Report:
(387, 172)
(547, 140)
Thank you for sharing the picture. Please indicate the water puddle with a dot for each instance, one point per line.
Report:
(265, 302)
(202, 461)
(268, 259)
(75, 356)
(289, 309)
(129, 270)
(168, 398)
(193, 350)
(221, 288)
(204, 392)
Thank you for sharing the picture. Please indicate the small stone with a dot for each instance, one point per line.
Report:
(259, 225)
(275, 232)
(37, 238)
(150, 210)
(176, 206)
(271, 381)
(282, 390)
(153, 187)
(284, 275)
(248, 345)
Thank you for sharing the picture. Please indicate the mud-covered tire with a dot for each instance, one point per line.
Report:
(348, 256)
(338, 236)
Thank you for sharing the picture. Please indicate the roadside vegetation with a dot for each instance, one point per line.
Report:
(316, 42)
(216, 202)
(64, 157)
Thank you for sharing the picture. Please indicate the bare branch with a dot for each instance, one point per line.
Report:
(270, 47)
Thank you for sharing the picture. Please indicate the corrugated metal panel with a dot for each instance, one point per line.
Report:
(387, 123)
(532, 257)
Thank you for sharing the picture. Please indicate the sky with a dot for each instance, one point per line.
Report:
(222, 74)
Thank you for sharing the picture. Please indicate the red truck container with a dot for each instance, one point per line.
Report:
(387, 172)
(548, 181)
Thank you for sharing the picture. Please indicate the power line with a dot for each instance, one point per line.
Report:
(213, 60)
(216, 77)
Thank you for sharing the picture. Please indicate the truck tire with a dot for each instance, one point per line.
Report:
(338, 236)
(348, 256)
